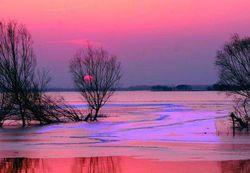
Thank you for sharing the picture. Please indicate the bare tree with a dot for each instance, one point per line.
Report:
(20, 81)
(5, 108)
(233, 63)
(96, 74)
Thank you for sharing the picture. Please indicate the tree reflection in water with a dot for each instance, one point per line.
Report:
(97, 165)
(19, 165)
(116, 165)
(79, 165)
(235, 166)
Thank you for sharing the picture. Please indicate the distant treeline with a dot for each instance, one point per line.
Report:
(215, 87)
(165, 88)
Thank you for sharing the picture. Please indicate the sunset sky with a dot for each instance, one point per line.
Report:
(157, 41)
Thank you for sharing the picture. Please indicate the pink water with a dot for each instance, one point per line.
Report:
(158, 128)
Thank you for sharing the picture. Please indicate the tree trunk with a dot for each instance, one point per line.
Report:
(239, 120)
(96, 114)
(22, 116)
(232, 116)
(23, 120)
(87, 117)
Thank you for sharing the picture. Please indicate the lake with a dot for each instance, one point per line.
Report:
(143, 132)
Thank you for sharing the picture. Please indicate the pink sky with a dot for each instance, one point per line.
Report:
(158, 41)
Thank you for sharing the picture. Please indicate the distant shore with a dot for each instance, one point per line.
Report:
(214, 87)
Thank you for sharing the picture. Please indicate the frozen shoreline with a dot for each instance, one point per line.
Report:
(177, 127)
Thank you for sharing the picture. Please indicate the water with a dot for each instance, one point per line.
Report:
(161, 126)
(117, 165)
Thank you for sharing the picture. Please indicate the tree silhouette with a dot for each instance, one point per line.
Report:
(96, 74)
(233, 63)
(22, 85)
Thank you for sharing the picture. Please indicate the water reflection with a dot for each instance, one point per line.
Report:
(240, 166)
(74, 165)
(19, 165)
(96, 165)
(117, 165)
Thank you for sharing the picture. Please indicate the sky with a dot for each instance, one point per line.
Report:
(164, 42)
